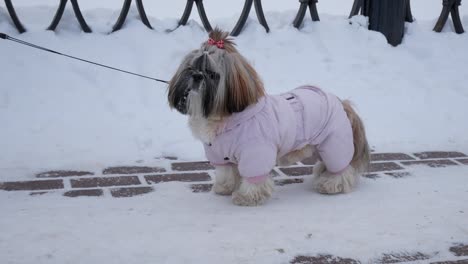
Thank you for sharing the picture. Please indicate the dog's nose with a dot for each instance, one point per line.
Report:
(197, 77)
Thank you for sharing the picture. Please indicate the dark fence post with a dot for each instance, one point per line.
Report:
(188, 11)
(312, 4)
(360, 5)
(124, 12)
(388, 17)
(78, 15)
(450, 7)
(409, 14)
(245, 14)
(14, 17)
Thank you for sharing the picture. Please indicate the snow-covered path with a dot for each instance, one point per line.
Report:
(425, 213)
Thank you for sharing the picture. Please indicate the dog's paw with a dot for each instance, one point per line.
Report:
(327, 183)
(253, 194)
(223, 188)
(226, 180)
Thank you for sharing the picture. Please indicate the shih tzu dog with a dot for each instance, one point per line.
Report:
(247, 132)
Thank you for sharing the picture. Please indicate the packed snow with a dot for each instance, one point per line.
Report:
(59, 113)
(425, 213)
(56, 113)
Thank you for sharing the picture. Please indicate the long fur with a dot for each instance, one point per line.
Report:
(227, 180)
(328, 183)
(220, 81)
(361, 157)
(253, 194)
(212, 83)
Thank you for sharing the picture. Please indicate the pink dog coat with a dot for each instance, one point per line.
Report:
(279, 124)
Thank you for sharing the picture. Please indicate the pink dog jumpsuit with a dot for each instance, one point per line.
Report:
(279, 124)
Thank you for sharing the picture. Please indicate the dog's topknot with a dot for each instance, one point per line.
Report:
(217, 35)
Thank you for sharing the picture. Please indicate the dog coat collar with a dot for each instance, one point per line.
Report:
(238, 118)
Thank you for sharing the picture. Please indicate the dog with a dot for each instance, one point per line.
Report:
(246, 132)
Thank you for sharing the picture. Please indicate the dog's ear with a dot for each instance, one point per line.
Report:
(179, 83)
(243, 85)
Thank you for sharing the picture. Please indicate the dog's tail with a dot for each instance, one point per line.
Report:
(361, 157)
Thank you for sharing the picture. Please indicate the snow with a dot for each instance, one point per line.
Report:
(425, 212)
(56, 113)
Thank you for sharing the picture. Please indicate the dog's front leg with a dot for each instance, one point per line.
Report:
(253, 193)
(227, 179)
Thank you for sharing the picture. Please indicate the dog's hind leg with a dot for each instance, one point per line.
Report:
(297, 155)
(227, 179)
(332, 183)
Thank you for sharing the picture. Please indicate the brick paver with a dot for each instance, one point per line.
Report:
(181, 177)
(32, 185)
(126, 181)
(460, 250)
(62, 173)
(297, 171)
(130, 191)
(390, 156)
(461, 261)
(384, 166)
(402, 257)
(132, 181)
(321, 259)
(191, 166)
(439, 154)
(463, 161)
(399, 174)
(200, 188)
(288, 181)
(132, 170)
(105, 181)
(431, 163)
(88, 192)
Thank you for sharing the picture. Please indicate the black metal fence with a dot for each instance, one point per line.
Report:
(359, 6)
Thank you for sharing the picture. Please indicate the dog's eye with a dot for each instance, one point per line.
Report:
(212, 75)
(197, 76)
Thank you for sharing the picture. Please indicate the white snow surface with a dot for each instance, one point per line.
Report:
(58, 113)
(426, 212)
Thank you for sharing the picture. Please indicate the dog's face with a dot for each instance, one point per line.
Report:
(214, 81)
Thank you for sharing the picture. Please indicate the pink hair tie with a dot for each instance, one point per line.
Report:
(219, 44)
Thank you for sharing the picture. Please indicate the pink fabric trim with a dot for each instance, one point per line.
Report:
(339, 172)
(257, 179)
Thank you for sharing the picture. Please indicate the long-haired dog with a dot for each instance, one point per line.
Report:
(246, 132)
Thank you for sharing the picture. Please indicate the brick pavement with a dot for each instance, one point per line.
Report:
(128, 181)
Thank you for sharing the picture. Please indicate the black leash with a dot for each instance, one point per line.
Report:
(5, 36)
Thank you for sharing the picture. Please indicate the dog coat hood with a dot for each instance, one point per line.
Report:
(278, 124)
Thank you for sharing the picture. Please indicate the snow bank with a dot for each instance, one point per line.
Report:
(58, 113)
